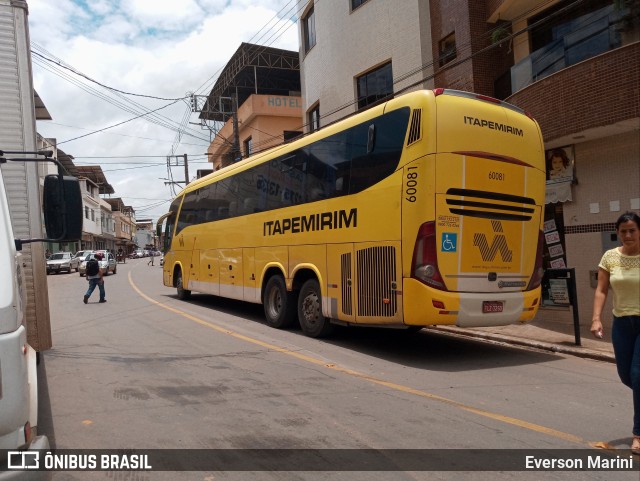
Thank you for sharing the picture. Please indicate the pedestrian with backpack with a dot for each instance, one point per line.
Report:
(95, 277)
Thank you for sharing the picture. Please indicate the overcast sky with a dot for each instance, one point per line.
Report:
(156, 48)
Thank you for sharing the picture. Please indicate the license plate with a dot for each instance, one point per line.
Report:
(492, 306)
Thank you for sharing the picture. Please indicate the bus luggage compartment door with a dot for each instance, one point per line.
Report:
(251, 294)
(210, 271)
(231, 273)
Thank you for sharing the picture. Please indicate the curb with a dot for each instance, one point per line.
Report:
(577, 351)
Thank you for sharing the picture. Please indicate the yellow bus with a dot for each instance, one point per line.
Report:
(424, 210)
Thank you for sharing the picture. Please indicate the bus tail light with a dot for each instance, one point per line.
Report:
(538, 271)
(425, 257)
(437, 304)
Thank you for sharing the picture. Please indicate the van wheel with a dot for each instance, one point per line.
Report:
(183, 294)
(312, 321)
(279, 305)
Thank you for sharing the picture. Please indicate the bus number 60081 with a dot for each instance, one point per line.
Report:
(411, 184)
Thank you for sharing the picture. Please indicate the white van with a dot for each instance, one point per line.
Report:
(18, 376)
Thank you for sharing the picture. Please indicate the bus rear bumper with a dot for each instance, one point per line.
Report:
(425, 306)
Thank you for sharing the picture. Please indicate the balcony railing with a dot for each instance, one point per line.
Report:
(574, 41)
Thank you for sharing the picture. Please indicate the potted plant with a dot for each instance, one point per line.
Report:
(500, 34)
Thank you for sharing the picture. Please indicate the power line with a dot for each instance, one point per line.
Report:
(115, 125)
(203, 87)
(61, 65)
(48, 122)
(125, 104)
(56, 66)
(450, 65)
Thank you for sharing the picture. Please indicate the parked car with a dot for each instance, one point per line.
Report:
(62, 261)
(108, 262)
(82, 268)
(139, 253)
(82, 254)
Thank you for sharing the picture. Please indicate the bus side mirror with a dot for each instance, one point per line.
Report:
(62, 205)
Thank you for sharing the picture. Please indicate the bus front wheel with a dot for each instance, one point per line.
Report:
(312, 321)
(279, 305)
(183, 294)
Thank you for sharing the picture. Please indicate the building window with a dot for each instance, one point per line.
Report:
(93, 215)
(356, 3)
(447, 49)
(375, 85)
(248, 147)
(86, 212)
(309, 30)
(314, 118)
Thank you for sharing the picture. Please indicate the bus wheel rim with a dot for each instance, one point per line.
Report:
(274, 305)
(310, 307)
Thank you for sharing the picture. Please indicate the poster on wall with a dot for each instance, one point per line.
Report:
(559, 292)
(560, 174)
(552, 237)
(549, 225)
(556, 250)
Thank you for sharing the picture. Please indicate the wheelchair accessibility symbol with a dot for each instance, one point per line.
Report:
(449, 242)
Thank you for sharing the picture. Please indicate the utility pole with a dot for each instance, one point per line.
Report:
(186, 168)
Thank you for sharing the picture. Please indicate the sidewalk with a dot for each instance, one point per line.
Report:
(548, 335)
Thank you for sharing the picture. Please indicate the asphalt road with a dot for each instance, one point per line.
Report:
(148, 371)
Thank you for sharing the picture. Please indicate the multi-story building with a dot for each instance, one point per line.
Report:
(354, 53)
(108, 237)
(255, 103)
(124, 219)
(574, 65)
(97, 228)
(145, 234)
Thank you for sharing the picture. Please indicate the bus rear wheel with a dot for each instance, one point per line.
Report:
(312, 321)
(183, 294)
(279, 305)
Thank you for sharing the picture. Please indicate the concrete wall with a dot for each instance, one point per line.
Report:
(350, 43)
(264, 118)
(608, 175)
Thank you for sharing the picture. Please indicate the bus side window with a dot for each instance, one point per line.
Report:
(249, 205)
(223, 212)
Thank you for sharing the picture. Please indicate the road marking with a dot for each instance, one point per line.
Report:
(381, 382)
